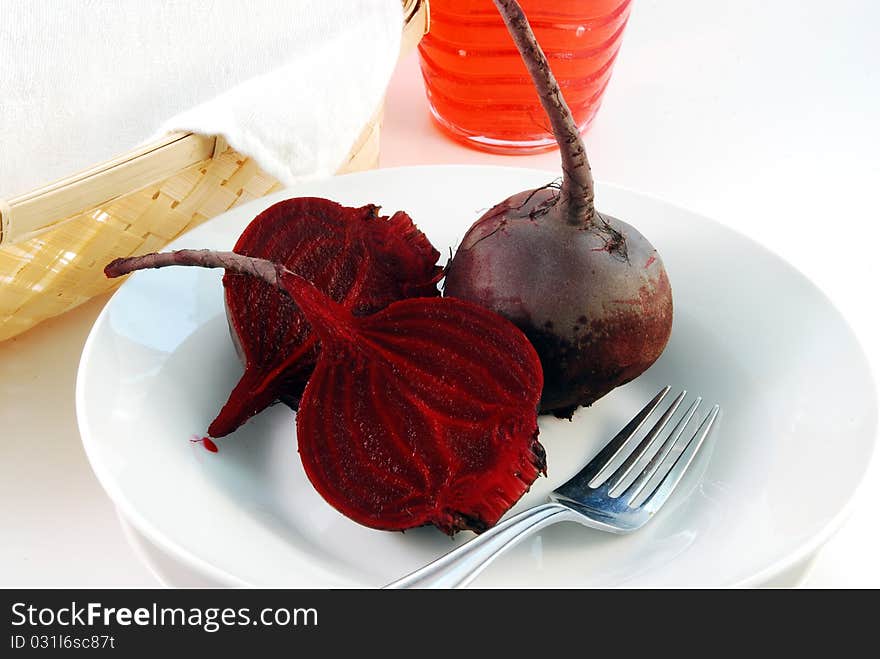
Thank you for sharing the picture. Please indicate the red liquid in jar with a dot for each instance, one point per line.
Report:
(478, 88)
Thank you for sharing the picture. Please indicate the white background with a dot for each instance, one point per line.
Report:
(760, 114)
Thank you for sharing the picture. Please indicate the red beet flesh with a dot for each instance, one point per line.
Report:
(422, 413)
(588, 290)
(414, 416)
(357, 258)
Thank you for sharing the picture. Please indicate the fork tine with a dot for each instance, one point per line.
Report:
(627, 473)
(670, 472)
(614, 453)
(639, 484)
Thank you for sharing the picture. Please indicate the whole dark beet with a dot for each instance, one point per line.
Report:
(588, 290)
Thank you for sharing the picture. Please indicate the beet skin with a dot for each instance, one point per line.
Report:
(595, 303)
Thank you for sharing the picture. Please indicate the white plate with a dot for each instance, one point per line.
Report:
(750, 332)
(172, 573)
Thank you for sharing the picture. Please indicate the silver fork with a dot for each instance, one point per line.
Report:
(618, 491)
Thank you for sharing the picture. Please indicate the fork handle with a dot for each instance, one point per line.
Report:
(460, 566)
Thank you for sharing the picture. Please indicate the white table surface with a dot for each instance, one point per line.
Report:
(760, 114)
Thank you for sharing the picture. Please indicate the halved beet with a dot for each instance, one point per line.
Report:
(359, 259)
(422, 413)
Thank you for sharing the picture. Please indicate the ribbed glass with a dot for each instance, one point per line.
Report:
(478, 87)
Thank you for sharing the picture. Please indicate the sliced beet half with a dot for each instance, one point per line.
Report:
(424, 413)
(359, 259)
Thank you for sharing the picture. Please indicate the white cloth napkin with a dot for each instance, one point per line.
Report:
(290, 83)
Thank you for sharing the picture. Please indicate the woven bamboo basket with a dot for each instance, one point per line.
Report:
(56, 240)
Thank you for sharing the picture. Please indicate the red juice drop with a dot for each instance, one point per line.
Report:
(207, 442)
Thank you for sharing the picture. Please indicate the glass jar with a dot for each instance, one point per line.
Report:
(478, 88)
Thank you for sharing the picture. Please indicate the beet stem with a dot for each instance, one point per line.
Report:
(576, 194)
(327, 317)
(203, 258)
